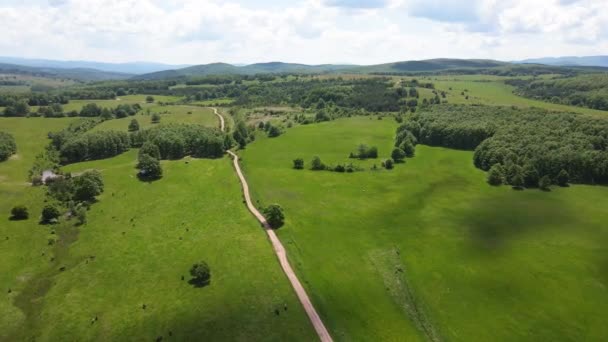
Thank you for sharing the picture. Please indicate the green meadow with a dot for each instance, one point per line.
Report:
(168, 114)
(429, 251)
(124, 274)
(495, 92)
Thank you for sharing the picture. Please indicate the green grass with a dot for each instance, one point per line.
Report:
(31, 137)
(214, 102)
(498, 93)
(134, 251)
(21, 243)
(128, 99)
(176, 114)
(429, 249)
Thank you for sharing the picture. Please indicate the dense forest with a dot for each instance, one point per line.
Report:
(586, 91)
(530, 142)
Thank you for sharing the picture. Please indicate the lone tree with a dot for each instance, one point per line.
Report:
(545, 183)
(50, 213)
(155, 118)
(317, 164)
(496, 175)
(19, 212)
(149, 99)
(298, 164)
(201, 274)
(133, 126)
(563, 178)
(149, 168)
(274, 215)
(398, 155)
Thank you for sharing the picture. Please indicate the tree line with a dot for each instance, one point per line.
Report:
(589, 91)
(525, 145)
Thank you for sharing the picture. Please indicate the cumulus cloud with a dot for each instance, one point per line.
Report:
(357, 3)
(310, 31)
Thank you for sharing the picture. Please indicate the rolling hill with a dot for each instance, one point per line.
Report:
(598, 61)
(126, 68)
(78, 74)
(279, 67)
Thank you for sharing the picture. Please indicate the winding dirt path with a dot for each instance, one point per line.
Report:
(222, 122)
(279, 250)
(282, 256)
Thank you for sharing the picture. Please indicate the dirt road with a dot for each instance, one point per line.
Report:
(282, 256)
(222, 123)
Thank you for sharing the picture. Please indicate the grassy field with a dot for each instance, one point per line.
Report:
(135, 250)
(429, 250)
(129, 99)
(496, 92)
(182, 114)
(23, 242)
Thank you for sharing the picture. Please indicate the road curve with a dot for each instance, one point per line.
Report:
(282, 256)
(222, 123)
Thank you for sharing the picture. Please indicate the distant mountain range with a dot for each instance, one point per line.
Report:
(97, 71)
(78, 74)
(134, 68)
(252, 69)
(601, 61)
(280, 67)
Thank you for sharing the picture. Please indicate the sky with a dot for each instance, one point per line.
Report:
(301, 31)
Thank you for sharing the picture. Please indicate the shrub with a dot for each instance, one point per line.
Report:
(388, 164)
(365, 152)
(274, 131)
(298, 164)
(274, 215)
(50, 214)
(408, 148)
(545, 183)
(339, 168)
(201, 274)
(398, 155)
(81, 215)
(317, 164)
(8, 147)
(496, 175)
(155, 118)
(133, 126)
(19, 212)
(149, 99)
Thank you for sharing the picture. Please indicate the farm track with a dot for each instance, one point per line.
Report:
(279, 250)
(222, 122)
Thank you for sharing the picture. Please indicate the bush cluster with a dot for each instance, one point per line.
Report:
(8, 147)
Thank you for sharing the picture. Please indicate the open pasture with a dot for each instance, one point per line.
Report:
(429, 250)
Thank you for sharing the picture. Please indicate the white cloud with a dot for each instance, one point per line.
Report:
(311, 31)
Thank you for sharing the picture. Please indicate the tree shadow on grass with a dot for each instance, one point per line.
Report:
(199, 283)
(147, 179)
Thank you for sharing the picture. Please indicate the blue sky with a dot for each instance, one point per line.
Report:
(304, 31)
